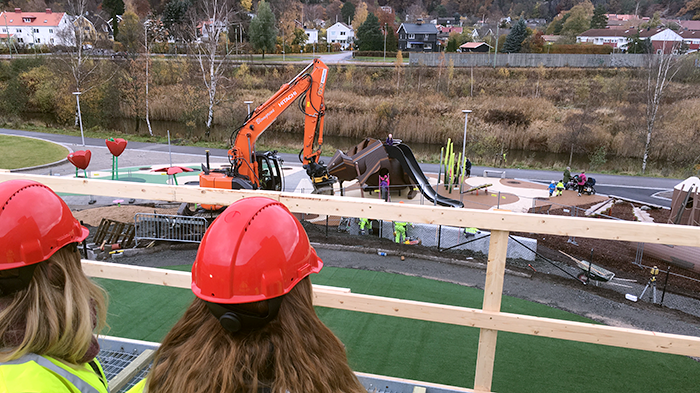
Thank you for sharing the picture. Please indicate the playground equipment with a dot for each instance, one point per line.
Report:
(116, 147)
(363, 162)
(81, 160)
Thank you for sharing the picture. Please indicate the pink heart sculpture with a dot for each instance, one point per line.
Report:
(80, 158)
(116, 147)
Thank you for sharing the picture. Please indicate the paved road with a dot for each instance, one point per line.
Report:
(643, 189)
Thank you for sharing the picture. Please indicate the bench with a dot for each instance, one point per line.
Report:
(502, 173)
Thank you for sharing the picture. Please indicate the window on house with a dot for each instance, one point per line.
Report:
(26, 20)
(4, 30)
(51, 41)
(51, 31)
(36, 30)
(38, 40)
(342, 33)
(20, 40)
(428, 46)
(19, 30)
(427, 37)
(411, 36)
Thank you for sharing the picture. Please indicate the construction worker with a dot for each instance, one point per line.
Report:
(48, 307)
(400, 231)
(252, 326)
(365, 223)
(470, 231)
(560, 188)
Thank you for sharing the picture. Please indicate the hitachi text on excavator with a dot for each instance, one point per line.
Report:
(251, 169)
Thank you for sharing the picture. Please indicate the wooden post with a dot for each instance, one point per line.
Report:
(493, 289)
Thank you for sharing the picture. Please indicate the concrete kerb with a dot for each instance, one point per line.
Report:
(56, 163)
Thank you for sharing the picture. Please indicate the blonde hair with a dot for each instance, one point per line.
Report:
(295, 352)
(55, 315)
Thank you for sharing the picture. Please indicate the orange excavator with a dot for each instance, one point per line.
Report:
(263, 170)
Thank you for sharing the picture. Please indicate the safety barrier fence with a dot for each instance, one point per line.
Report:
(490, 320)
(168, 227)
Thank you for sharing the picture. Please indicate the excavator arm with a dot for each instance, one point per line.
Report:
(309, 84)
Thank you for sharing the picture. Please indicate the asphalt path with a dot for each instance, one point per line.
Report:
(635, 188)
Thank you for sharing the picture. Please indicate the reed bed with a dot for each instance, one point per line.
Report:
(531, 109)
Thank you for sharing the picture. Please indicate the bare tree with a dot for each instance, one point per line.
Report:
(661, 68)
(208, 26)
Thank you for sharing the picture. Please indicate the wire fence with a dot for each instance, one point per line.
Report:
(436, 237)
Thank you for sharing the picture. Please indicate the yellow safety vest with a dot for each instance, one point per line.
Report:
(139, 387)
(35, 373)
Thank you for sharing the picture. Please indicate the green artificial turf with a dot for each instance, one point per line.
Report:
(19, 152)
(435, 352)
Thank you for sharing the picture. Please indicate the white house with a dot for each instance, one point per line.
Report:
(340, 33)
(312, 35)
(30, 28)
(662, 39)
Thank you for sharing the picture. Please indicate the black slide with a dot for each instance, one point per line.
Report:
(405, 156)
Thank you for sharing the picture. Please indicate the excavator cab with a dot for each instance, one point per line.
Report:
(270, 170)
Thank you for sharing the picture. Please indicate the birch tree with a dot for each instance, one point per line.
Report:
(83, 69)
(207, 27)
(661, 68)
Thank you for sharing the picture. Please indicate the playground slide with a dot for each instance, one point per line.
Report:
(405, 156)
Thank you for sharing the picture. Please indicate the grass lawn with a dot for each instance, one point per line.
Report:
(435, 352)
(19, 152)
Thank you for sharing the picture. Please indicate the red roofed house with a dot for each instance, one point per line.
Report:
(480, 47)
(662, 39)
(692, 39)
(29, 28)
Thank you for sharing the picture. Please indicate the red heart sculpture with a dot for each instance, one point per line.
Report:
(116, 147)
(80, 158)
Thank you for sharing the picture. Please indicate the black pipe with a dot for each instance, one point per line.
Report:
(668, 272)
(326, 226)
(208, 166)
(85, 246)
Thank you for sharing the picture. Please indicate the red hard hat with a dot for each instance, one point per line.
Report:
(255, 250)
(34, 224)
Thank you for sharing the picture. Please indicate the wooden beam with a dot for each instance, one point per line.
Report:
(358, 207)
(131, 370)
(493, 291)
(155, 276)
(514, 323)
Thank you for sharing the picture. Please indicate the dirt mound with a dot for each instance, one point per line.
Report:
(124, 213)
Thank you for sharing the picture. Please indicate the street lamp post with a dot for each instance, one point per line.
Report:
(464, 146)
(248, 103)
(385, 26)
(80, 117)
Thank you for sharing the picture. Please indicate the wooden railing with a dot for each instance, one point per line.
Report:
(489, 319)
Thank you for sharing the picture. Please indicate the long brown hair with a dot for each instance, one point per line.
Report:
(294, 353)
(54, 315)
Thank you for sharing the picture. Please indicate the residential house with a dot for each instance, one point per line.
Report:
(474, 47)
(625, 21)
(689, 24)
(340, 33)
(418, 37)
(33, 28)
(312, 35)
(692, 39)
(662, 38)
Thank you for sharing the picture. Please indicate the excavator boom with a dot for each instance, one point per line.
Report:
(245, 170)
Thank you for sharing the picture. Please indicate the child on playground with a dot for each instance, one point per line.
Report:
(551, 188)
